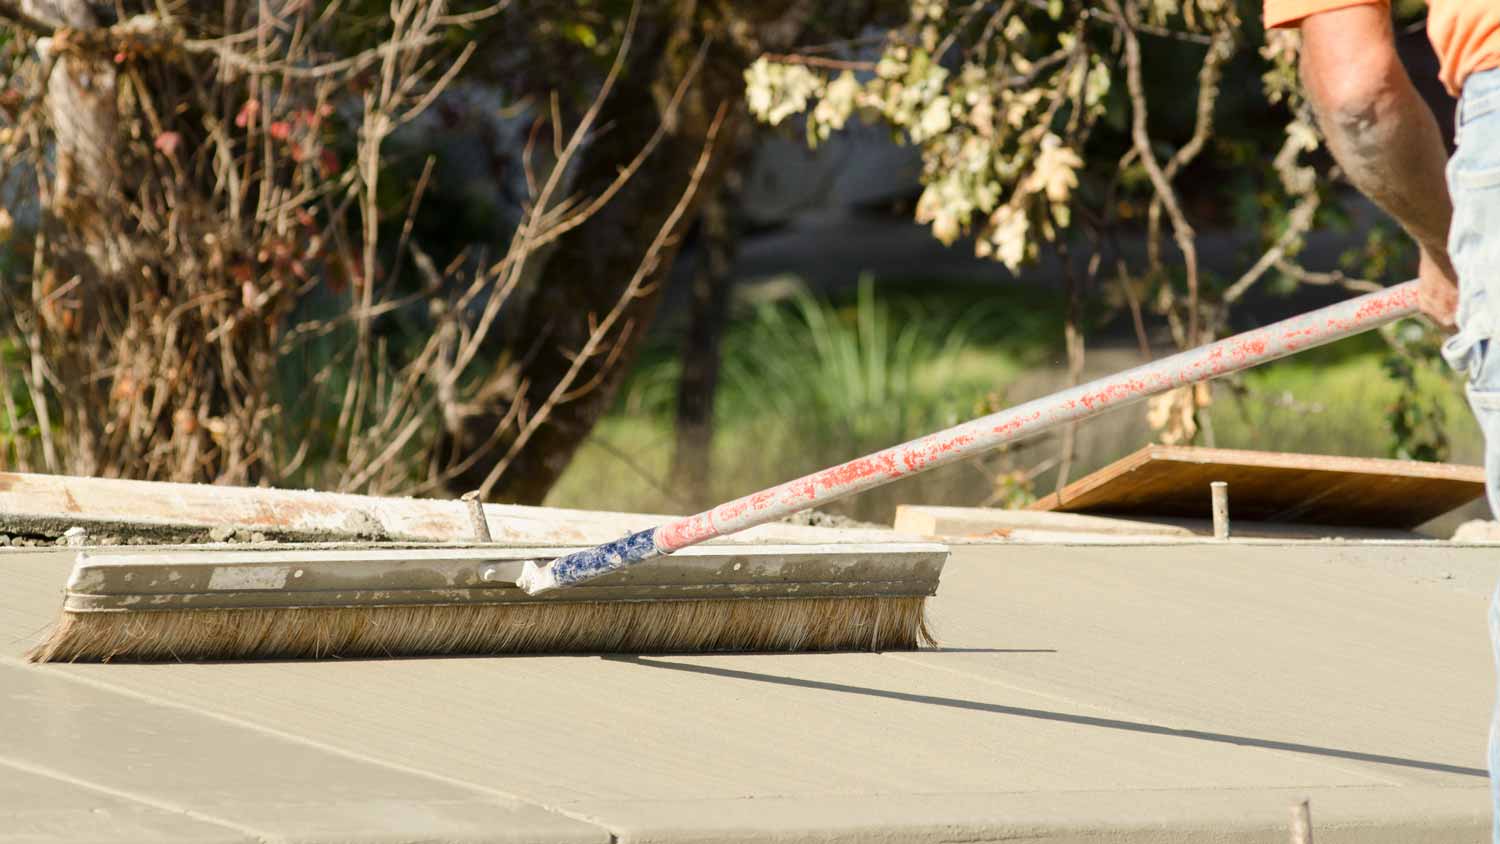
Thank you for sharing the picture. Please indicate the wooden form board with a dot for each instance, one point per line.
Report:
(1268, 486)
(991, 522)
(50, 504)
(981, 524)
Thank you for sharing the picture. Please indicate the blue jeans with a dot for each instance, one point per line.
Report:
(1474, 245)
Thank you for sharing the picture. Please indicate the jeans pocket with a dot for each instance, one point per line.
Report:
(1476, 163)
(1484, 399)
(1484, 375)
(1481, 178)
(1465, 354)
(1487, 406)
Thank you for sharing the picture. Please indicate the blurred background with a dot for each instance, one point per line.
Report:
(648, 256)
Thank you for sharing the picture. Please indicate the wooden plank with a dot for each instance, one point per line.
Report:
(927, 520)
(1273, 487)
(47, 505)
(957, 523)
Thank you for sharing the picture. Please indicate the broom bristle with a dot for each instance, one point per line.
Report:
(684, 626)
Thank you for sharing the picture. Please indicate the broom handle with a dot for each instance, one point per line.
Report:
(969, 439)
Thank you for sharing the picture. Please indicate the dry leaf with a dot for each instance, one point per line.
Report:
(1170, 415)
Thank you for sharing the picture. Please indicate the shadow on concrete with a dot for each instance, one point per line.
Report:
(25, 643)
(982, 651)
(1064, 717)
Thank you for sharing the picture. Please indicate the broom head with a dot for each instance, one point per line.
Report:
(322, 603)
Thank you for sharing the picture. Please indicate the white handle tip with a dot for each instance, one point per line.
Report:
(536, 578)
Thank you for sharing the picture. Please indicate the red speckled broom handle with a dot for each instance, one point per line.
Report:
(970, 439)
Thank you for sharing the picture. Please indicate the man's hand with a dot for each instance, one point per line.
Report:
(1437, 288)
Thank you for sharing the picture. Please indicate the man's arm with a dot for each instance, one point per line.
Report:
(1383, 135)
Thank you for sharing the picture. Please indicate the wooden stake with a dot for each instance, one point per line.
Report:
(1302, 824)
(1219, 490)
(476, 515)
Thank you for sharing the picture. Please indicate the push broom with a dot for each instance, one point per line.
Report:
(407, 602)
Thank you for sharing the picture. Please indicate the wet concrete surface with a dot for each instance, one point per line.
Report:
(1141, 694)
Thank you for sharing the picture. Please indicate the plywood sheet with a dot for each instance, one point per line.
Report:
(1270, 486)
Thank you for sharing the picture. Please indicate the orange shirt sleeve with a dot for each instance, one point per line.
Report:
(1291, 12)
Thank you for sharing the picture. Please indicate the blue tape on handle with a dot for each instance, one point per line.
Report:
(583, 565)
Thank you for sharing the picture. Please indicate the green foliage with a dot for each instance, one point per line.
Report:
(1340, 400)
(1418, 422)
(810, 382)
(847, 380)
(1013, 490)
(1333, 400)
(999, 136)
(18, 430)
(1386, 255)
(1031, 116)
(1005, 106)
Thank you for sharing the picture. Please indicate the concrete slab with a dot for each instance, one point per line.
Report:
(242, 779)
(42, 805)
(1136, 693)
(1178, 816)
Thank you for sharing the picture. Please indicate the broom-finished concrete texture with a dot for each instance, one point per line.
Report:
(1137, 694)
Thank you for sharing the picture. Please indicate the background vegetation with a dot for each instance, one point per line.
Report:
(826, 380)
(423, 247)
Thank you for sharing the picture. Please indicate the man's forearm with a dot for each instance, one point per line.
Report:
(1377, 128)
(1393, 153)
(1383, 135)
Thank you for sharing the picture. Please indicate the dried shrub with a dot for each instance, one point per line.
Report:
(218, 280)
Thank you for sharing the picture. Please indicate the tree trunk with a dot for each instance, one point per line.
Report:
(712, 282)
(593, 263)
(82, 205)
